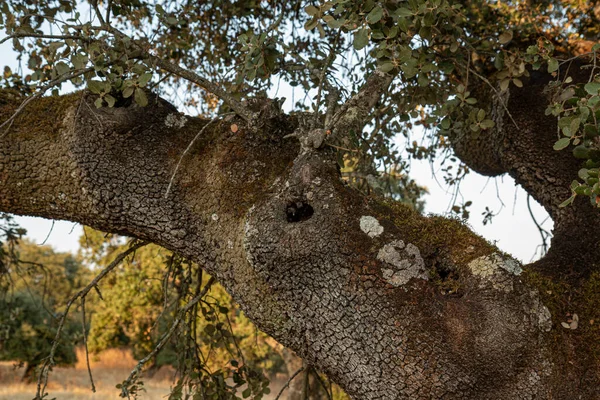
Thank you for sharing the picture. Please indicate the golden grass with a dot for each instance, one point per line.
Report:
(108, 368)
(72, 383)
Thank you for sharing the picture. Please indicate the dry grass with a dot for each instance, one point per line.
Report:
(109, 368)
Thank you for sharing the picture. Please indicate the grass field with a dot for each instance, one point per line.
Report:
(108, 369)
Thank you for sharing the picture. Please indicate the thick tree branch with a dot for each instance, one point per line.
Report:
(386, 302)
(521, 144)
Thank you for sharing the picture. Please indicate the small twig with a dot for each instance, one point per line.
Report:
(329, 396)
(49, 233)
(484, 79)
(576, 57)
(543, 233)
(343, 148)
(165, 338)
(161, 80)
(43, 90)
(98, 13)
(188, 149)
(287, 384)
(85, 344)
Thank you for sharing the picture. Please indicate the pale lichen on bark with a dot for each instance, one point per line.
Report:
(175, 121)
(407, 261)
(370, 226)
(540, 313)
(497, 270)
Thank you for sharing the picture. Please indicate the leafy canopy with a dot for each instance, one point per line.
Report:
(209, 56)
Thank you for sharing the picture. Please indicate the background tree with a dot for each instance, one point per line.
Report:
(140, 300)
(41, 281)
(386, 302)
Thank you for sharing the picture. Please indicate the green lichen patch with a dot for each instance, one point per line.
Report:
(580, 346)
(437, 236)
(44, 116)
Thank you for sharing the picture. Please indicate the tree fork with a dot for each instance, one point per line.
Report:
(521, 144)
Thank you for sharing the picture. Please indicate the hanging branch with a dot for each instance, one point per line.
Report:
(42, 382)
(287, 384)
(163, 341)
(85, 344)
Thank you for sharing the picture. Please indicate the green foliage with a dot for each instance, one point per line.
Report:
(10, 233)
(437, 50)
(577, 106)
(35, 288)
(217, 350)
(27, 331)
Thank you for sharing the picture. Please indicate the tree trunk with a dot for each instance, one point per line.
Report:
(29, 373)
(388, 303)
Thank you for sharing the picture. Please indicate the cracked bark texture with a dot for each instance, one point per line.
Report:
(354, 285)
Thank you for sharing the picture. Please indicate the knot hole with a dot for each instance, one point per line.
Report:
(298, 211)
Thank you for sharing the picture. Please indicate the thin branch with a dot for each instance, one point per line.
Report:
(328, 62)
(594, 67)
(484, 79)
(175, 69)
(49, 233)
(329, 396)
(305, 65)
(107, 17)
(287, 384)
(85, 344)
(191, 76)
(165, 338)
(235, 105)
(188, 149)
(39, 94)
(306, 382)
(41, 36)
(43, 376)
(543, 233)
(364, 100)
(99, 13)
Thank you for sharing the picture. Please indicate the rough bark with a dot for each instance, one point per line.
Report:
(521, 145)
(388, 303)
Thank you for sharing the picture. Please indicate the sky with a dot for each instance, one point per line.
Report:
(513, 230)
